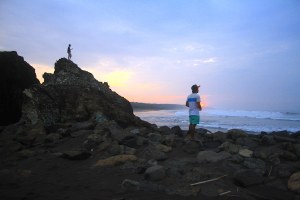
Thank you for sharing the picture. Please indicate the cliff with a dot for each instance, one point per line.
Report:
(15, 76)
(74, 95)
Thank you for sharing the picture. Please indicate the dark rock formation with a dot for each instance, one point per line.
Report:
(15, 76)
(74, 95)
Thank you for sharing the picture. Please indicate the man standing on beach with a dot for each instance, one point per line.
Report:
(193, 102)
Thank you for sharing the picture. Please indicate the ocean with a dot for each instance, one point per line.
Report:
(218, 119)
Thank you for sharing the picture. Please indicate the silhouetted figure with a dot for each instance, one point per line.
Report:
(193, 102)
(69, 52)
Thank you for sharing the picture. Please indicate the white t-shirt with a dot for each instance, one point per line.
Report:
(193, 99)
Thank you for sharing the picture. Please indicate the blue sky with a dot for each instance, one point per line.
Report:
(245, 54)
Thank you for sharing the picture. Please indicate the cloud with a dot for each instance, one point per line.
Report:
(210, 60)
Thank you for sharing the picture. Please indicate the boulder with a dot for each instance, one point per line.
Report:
(236, 133)
(219, 136)
(155, 173)
(230, 147)
(165, 130)
(130, 185)
(115, 160)
(245, 153)
(255, 163)
(288, 155)
(15, 76)
(176, 130)
(247, 178)
(192, 147)
(267, 140)
(153, 152)
(211, 156)
(247, 142)
(155, 137)
(294, 182)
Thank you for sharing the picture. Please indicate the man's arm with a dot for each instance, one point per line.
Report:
(199, 105)
(187, 104)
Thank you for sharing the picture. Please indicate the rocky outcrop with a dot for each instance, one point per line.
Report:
(73, 95)
(15, 76)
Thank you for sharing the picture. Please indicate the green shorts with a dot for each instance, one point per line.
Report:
(194, 119)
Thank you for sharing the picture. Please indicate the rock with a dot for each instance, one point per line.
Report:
(163, 148)
(76, 155)
(219, 136)
(130, 185)
(236, 133)
(155, 173)
(236, 158)
(72, 94)
(92, 141)
(115, 148)
(165, 130)
(229, 147)
(297, 149)
(52, 138)
(247, 178)
(273, 159)
(254, 163)
(31, 135)
(117, 133)
(288, 155)
(211, 156)
(104, 145)
(284, 170)
(294, 182)
(192, 147)
(169, 140)
(127, 150)
(267, 140)
(247, 142)
(176, 130)
(86, 125)
(15, 76)
(155, 137)
(264, 152)
(152, 152)
(202, 131)
(246, 153)
(131, 141)
(115, 160)
(284, 139)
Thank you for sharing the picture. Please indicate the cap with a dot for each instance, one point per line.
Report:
(194, 87)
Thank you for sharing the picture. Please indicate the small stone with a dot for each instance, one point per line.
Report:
(246, 153)
(155, 173)
(130, 185)
(115, 160)
(294, 182)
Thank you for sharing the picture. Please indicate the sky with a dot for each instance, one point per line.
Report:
(245, 54)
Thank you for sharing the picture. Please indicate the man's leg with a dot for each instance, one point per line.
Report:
(192, 129)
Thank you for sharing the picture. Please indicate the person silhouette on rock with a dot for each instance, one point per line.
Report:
(69, 52)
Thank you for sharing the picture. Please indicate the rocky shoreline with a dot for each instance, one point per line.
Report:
(106, 161)
(77, 139)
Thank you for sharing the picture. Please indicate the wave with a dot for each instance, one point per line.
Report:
(248, 114)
